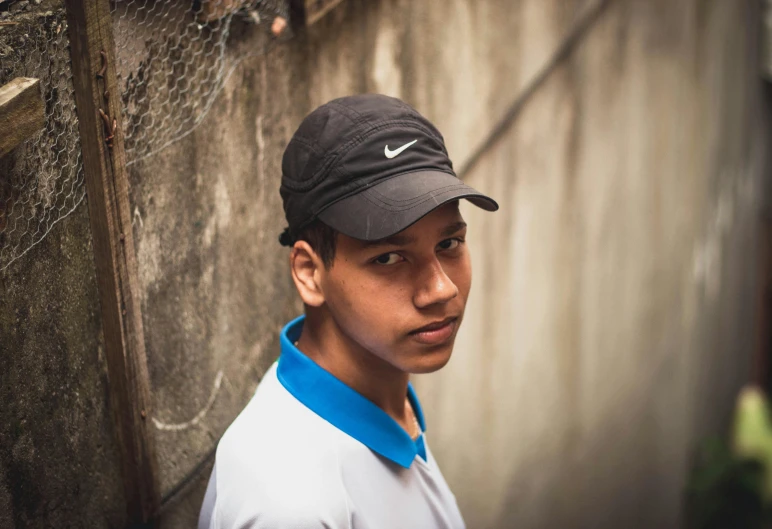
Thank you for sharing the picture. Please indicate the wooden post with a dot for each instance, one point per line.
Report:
(760, 373)
(21, 112)
(104, 163)
(315, 10)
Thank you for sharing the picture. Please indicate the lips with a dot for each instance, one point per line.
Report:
(436, 332)
(433, 326)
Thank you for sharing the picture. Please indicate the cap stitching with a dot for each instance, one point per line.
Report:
(390, 207)
(346, 110)
(387, 199)
(413, 206)
(308, 143)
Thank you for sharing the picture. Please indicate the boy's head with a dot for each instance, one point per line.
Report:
(377, 239)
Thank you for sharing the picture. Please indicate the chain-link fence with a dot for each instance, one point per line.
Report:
(171, 64)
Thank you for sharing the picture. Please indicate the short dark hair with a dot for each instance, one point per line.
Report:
(322, 239)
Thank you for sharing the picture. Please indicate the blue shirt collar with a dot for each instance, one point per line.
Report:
(342, 406)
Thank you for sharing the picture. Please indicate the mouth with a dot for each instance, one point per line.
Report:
(436, 332)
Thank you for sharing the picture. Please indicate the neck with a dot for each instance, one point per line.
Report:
(325, 343)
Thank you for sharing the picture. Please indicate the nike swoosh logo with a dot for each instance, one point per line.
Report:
(395, 152)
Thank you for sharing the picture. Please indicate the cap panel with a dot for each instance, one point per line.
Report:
(396, 149)
(297, 157)
(317, 137)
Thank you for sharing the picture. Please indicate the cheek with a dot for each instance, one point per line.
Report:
(460, 272)
(357, 291)
(361, 300)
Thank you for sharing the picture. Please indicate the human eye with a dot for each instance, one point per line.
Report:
(387, 259)
(450, 244)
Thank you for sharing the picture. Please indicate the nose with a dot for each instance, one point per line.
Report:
(434, 286)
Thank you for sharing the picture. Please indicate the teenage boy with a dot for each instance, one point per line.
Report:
(334, 435)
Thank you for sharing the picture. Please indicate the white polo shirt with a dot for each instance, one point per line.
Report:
(309, 452)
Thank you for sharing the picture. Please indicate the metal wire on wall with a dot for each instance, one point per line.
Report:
(41, 182)
(171, 65)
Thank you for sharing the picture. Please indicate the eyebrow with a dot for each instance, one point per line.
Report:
(394, 240)
(403, 240)
(450, 229)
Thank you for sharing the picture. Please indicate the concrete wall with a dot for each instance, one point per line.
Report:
(59, 463)
(610, 320)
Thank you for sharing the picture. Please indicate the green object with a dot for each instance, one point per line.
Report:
(752, 437)
(724, 491)
(730, 486)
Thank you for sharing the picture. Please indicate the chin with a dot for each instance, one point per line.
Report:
(431, 361)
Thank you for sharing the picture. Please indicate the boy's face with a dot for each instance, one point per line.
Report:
(403, 298)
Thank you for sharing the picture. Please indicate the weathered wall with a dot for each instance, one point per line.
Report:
(611, 323)
(59, 463)
(610, 320)
(215, 287)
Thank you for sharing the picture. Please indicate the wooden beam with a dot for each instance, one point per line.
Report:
(104, 163)
(22, 112)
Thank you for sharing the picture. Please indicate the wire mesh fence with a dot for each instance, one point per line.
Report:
(42, 181)
(172, 61)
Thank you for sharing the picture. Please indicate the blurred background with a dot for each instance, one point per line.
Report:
(621, 296)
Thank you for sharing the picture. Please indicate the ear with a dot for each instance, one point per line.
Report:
(307, 267)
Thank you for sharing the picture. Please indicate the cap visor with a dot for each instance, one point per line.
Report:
(392, 205)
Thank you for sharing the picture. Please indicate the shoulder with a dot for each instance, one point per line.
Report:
(278, 466)
(276, 434)
(287, 487)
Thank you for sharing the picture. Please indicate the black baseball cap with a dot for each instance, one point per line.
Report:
(368, 166)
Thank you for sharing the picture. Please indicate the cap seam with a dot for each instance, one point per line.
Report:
(314, 144)
(386, 200)
(346, 110)
(304, 141)
(389, 207)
